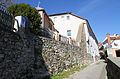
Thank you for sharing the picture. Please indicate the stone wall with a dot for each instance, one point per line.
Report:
(26, 56)
(113, 68)
(60, 56)
(20, 57)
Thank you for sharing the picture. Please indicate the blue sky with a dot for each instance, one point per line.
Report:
(103, 15)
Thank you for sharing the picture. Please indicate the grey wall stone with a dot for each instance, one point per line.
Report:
(20, 57)
(60, 56)
(26, 56)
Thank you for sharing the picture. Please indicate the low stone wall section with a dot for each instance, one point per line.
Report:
(113, 68)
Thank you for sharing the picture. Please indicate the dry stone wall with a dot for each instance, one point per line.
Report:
(26, 56)
(60, 56)
(20, 57)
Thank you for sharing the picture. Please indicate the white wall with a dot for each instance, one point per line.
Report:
(112, 50)
(92, 46)
(116, 42)
(113, 42)
(62, 24)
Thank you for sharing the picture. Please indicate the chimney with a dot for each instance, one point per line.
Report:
(99, 44)
(109, 40)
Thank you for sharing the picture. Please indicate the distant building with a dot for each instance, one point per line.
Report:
(47, 23)
(111, 45)
(72, 27)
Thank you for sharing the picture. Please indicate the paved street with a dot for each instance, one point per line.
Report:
(94, 71)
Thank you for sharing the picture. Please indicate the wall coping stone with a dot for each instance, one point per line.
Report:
(115, 60)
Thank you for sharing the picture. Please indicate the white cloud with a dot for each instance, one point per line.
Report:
(89, 6)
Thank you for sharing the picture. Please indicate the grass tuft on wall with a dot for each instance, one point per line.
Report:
(67, 73)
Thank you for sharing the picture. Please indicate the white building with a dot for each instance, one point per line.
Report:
(67, 24)
(91, 41)
(111, 45)
(70, 26)
(47, 23)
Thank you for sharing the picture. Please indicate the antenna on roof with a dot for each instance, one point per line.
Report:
(39, 4)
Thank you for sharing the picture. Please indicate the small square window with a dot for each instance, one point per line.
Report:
(68, 32)
(55, 18)
(68, 17)
(62, 16)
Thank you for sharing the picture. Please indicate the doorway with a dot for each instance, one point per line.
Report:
(106, 53)
(117, 53)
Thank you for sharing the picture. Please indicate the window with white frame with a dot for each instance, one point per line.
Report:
(68, 32)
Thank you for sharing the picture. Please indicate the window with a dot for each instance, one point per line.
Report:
(55, 18)
(68, 32)
(68, 17)
(62, 17)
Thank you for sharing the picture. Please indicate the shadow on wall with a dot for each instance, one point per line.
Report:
(34, 43)
(39, 64)
(21, 56)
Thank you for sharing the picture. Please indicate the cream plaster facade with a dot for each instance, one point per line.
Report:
(65, 22)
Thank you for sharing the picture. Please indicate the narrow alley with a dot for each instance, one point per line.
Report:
(94, 71)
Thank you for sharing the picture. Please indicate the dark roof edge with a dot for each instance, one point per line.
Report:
(60, 13)
(92, 31)
(67, 13)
